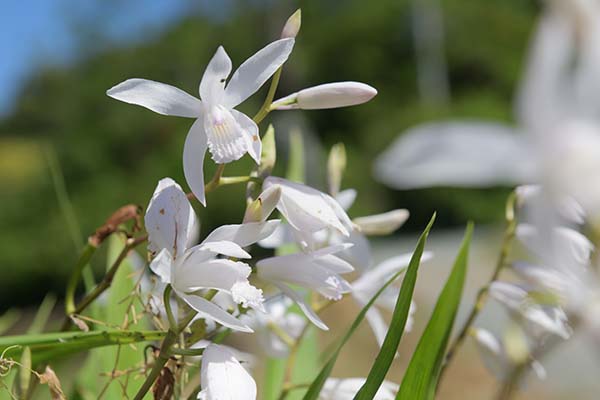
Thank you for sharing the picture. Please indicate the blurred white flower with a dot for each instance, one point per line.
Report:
(315, 270)
(541, 318)
(496, 357)
(558, 114)
(328, 95)
(227, 133)
(308, 210)
(189, 269)
(346, 389)
(223, 377)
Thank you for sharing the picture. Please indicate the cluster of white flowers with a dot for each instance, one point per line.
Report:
(218, 278)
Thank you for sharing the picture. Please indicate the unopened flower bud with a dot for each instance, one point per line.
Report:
(329, 95)
(382, 224)
(260, 209)
(292, 25)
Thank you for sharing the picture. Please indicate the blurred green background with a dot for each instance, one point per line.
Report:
(112, 153)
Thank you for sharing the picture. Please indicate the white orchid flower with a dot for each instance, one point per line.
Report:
(346, 389)
(169, 220)
(318, 270)
(542, 318)
(223, 377)
(227, 133)
(496, 357)
(365, 287)
(308, 210)
(277, 315)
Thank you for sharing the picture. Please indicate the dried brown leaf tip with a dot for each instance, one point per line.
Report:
(49, 378)
(122, 215)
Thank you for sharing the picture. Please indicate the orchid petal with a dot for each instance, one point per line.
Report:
(212, 85)
(158, 97)
(223, 377)
(243, 234)
(226, 248)
(170, 220)
(255, 71)
(161, 265)
(207, 309)
(306, 309)
(193, 160)
(456, 154)
(218, 273)
(250, 131)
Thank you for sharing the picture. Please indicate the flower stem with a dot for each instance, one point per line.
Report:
(480, 300)
(266, 107)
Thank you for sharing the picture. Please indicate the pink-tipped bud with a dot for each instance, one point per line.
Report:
(292, 25)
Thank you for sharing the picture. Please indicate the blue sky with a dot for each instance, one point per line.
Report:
(37, 32)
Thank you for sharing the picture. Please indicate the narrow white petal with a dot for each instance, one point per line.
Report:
(223, 377)
(250, 131)
(382, 224)
(170, 220)
(158, 97)
(306, 309)
(207, 309)
(213, 81)
(255, 71)
(457, 154)
(218, 273)
(225, 248)
(193, 159)
(244, 234)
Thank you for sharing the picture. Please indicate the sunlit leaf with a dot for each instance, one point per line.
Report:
(317, 384)
(421, 377)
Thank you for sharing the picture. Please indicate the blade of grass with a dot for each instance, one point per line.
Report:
(421, 377)
(317, 384)
(394, 334)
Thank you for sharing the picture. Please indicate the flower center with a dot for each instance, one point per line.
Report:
(226, 141)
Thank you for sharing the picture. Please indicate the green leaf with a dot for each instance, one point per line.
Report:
(317, 384)
(421, 377)
(273, 378)
(394, 334)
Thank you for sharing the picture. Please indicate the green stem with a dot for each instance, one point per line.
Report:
(159, 363)
(266, 107)
(167, 302)
(83, 260)
(480, 301)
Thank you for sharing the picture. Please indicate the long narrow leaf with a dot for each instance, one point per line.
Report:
(394, 334)
(421, 377)
(317, 384)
